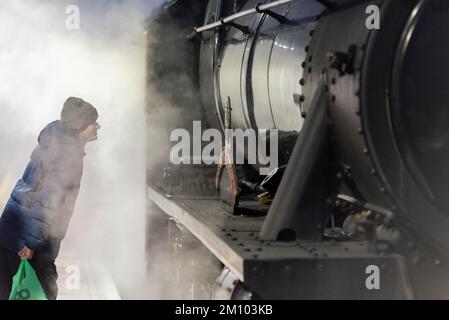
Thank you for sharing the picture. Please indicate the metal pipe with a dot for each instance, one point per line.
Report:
(241, 14)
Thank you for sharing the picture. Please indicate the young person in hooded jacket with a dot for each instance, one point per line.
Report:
(37, 215)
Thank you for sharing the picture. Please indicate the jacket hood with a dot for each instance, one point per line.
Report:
(56, 133)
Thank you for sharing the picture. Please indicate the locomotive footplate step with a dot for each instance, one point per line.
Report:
(288, 270)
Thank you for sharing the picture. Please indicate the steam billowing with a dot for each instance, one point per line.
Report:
(42, 63)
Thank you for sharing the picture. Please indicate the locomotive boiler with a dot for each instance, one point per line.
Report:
(359, 93)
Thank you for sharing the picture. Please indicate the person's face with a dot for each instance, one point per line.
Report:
(90, 133)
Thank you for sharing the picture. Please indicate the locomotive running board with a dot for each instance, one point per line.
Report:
(293, 270)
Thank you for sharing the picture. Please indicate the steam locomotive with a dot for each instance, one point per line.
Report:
(359, 91)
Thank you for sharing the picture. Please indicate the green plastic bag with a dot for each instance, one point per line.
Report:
(26, 285)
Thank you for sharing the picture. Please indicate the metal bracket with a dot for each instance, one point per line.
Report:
(242, 28)
(343, 62)
(300, 206)
(280, 18)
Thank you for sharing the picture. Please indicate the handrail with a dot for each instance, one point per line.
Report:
(231, 18)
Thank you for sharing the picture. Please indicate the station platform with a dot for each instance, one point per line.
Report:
(81, 279)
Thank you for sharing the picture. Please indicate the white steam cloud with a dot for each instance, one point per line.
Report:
(41, 64)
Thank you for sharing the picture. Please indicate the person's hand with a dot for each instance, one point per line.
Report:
(26, 253)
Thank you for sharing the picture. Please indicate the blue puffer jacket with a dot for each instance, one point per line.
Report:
(38, 212)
